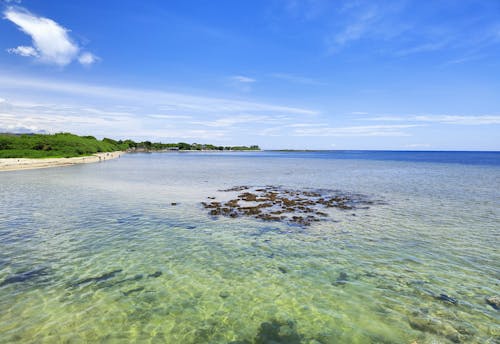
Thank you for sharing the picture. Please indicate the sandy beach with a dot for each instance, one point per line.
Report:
(13, 164)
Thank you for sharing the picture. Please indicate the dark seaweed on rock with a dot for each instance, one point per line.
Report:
(272, 203)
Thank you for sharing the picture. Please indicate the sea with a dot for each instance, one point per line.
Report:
(124, 251)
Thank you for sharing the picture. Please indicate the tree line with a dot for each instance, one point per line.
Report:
(71, 145)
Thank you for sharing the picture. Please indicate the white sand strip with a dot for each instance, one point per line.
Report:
(13, 164)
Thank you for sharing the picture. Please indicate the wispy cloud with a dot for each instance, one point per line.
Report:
(136, 113)
(51, 41)
(164, 101)
(368, 130)
(442, 119)
(161, 116)
(400, 28)
(306, 125)
(422, 48)
(364, 19)
(385, 118)
(241, 83)
(296, 79)
(355, 30)
(230, 121)
(417, 145)
(461, 120)
(271, 132)
(466, 58)
(243, 79)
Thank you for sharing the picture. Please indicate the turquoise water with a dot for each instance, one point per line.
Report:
(98, 252)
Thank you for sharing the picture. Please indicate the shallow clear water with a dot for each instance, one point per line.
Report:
(82, 249)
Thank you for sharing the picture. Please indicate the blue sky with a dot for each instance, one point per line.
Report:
(313, 74)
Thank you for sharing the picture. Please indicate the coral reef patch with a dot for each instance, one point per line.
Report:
(276, 203)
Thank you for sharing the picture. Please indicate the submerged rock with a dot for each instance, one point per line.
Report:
(493, 301)
(437, 327)
(283, 269)
(137, 277)
(224, 294)
(100, 278)
(155, 274)
(446, 298)
(127, 293)
(342, 279)
(25, 276)
(278, 332)
(272, 203)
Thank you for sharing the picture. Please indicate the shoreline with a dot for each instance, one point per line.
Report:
(16, 164)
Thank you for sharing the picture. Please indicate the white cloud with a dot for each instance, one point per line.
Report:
(51, 41)
(24, 51)
(87, 58)
(243, 79)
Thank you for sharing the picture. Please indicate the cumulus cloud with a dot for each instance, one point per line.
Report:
(51, 41)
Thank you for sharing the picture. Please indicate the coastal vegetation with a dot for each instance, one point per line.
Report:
(66, 145)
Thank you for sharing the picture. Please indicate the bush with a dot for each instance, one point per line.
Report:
(57, 145)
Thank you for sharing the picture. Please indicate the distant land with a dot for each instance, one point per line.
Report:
(67, 145)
